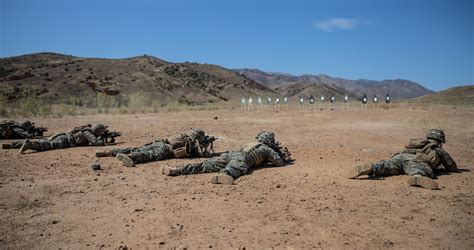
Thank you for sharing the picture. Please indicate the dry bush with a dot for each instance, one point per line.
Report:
(4, 111)
(30, 104)
(138, 102)
(105, 101)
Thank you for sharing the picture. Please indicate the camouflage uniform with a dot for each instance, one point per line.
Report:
(411, 162)
(154, 151)
(419, 160)
(179, 146)
(81, 136)
(19, 130)
(238, 163)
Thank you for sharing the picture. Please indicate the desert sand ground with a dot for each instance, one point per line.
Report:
(54, 200)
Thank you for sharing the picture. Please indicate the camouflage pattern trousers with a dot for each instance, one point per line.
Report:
(402, 164)
(155, 151)
(232, 164)
(57, 142)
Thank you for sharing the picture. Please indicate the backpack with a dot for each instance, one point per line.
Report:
(424, 151)
(179, 140)
(418, 143)
(80, 128)
(248, 147)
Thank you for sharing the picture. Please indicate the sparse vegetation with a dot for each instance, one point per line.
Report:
(109, 85)
(23, 102)
(28, 105)
(4, 72)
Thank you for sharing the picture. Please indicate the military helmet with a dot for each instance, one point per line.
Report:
(436, 134)
(197, 134)
(25, 124)
(99, 128)
(267, 138)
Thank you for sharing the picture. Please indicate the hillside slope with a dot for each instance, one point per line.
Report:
(463, 95)
(402, 89)
(56, 77)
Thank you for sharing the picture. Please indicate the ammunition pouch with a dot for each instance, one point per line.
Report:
(421, 157)
(408, 151)
(429, 157)
(182, 152)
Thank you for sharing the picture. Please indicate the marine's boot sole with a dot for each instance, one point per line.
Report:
(102, 153)
(422, 181)
(6, 146)
(126, 160)
(222, 179)
(360, 170)
(169, 171)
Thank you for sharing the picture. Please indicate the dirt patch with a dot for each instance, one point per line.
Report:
(54, 200)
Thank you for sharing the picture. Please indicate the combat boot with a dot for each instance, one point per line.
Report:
(360, 170)
(27, 144)
(169, 171)
(422, 181)
(222, 178)
(127, 161)
(6, 146)
(103, 153)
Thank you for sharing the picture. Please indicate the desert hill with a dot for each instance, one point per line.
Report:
(320, 84)
(56, 77)
(317, 90)
(463, 95)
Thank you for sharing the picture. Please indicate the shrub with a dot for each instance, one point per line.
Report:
(106, 101)
(138, 101)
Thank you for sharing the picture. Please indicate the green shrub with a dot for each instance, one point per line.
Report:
(138, 101)
(29, 106)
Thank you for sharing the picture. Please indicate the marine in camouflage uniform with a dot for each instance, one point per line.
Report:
(87, 135)
(179, 146)
(19, 130)
(419, 160)
(234, 164)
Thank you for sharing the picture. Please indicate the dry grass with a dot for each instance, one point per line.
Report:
(139, 102)
(31, 106)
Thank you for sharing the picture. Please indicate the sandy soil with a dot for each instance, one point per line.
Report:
(54, 200)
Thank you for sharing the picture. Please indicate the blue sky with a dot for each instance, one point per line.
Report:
(427, 41)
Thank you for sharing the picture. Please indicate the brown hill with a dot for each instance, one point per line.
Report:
(463, 95)
(57, 77)
(398, 88)
(308, 89)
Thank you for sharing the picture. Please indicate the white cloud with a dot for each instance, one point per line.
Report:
(340, 24)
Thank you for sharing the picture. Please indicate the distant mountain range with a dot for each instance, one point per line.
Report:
(291, 85)
(58, 78)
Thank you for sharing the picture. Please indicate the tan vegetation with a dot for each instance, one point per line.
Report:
(32, 106)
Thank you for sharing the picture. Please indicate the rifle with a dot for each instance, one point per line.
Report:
(37, 131)
(284, 153)
(207, 142)
(5, 124)
(109, 136)
(23, 131)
